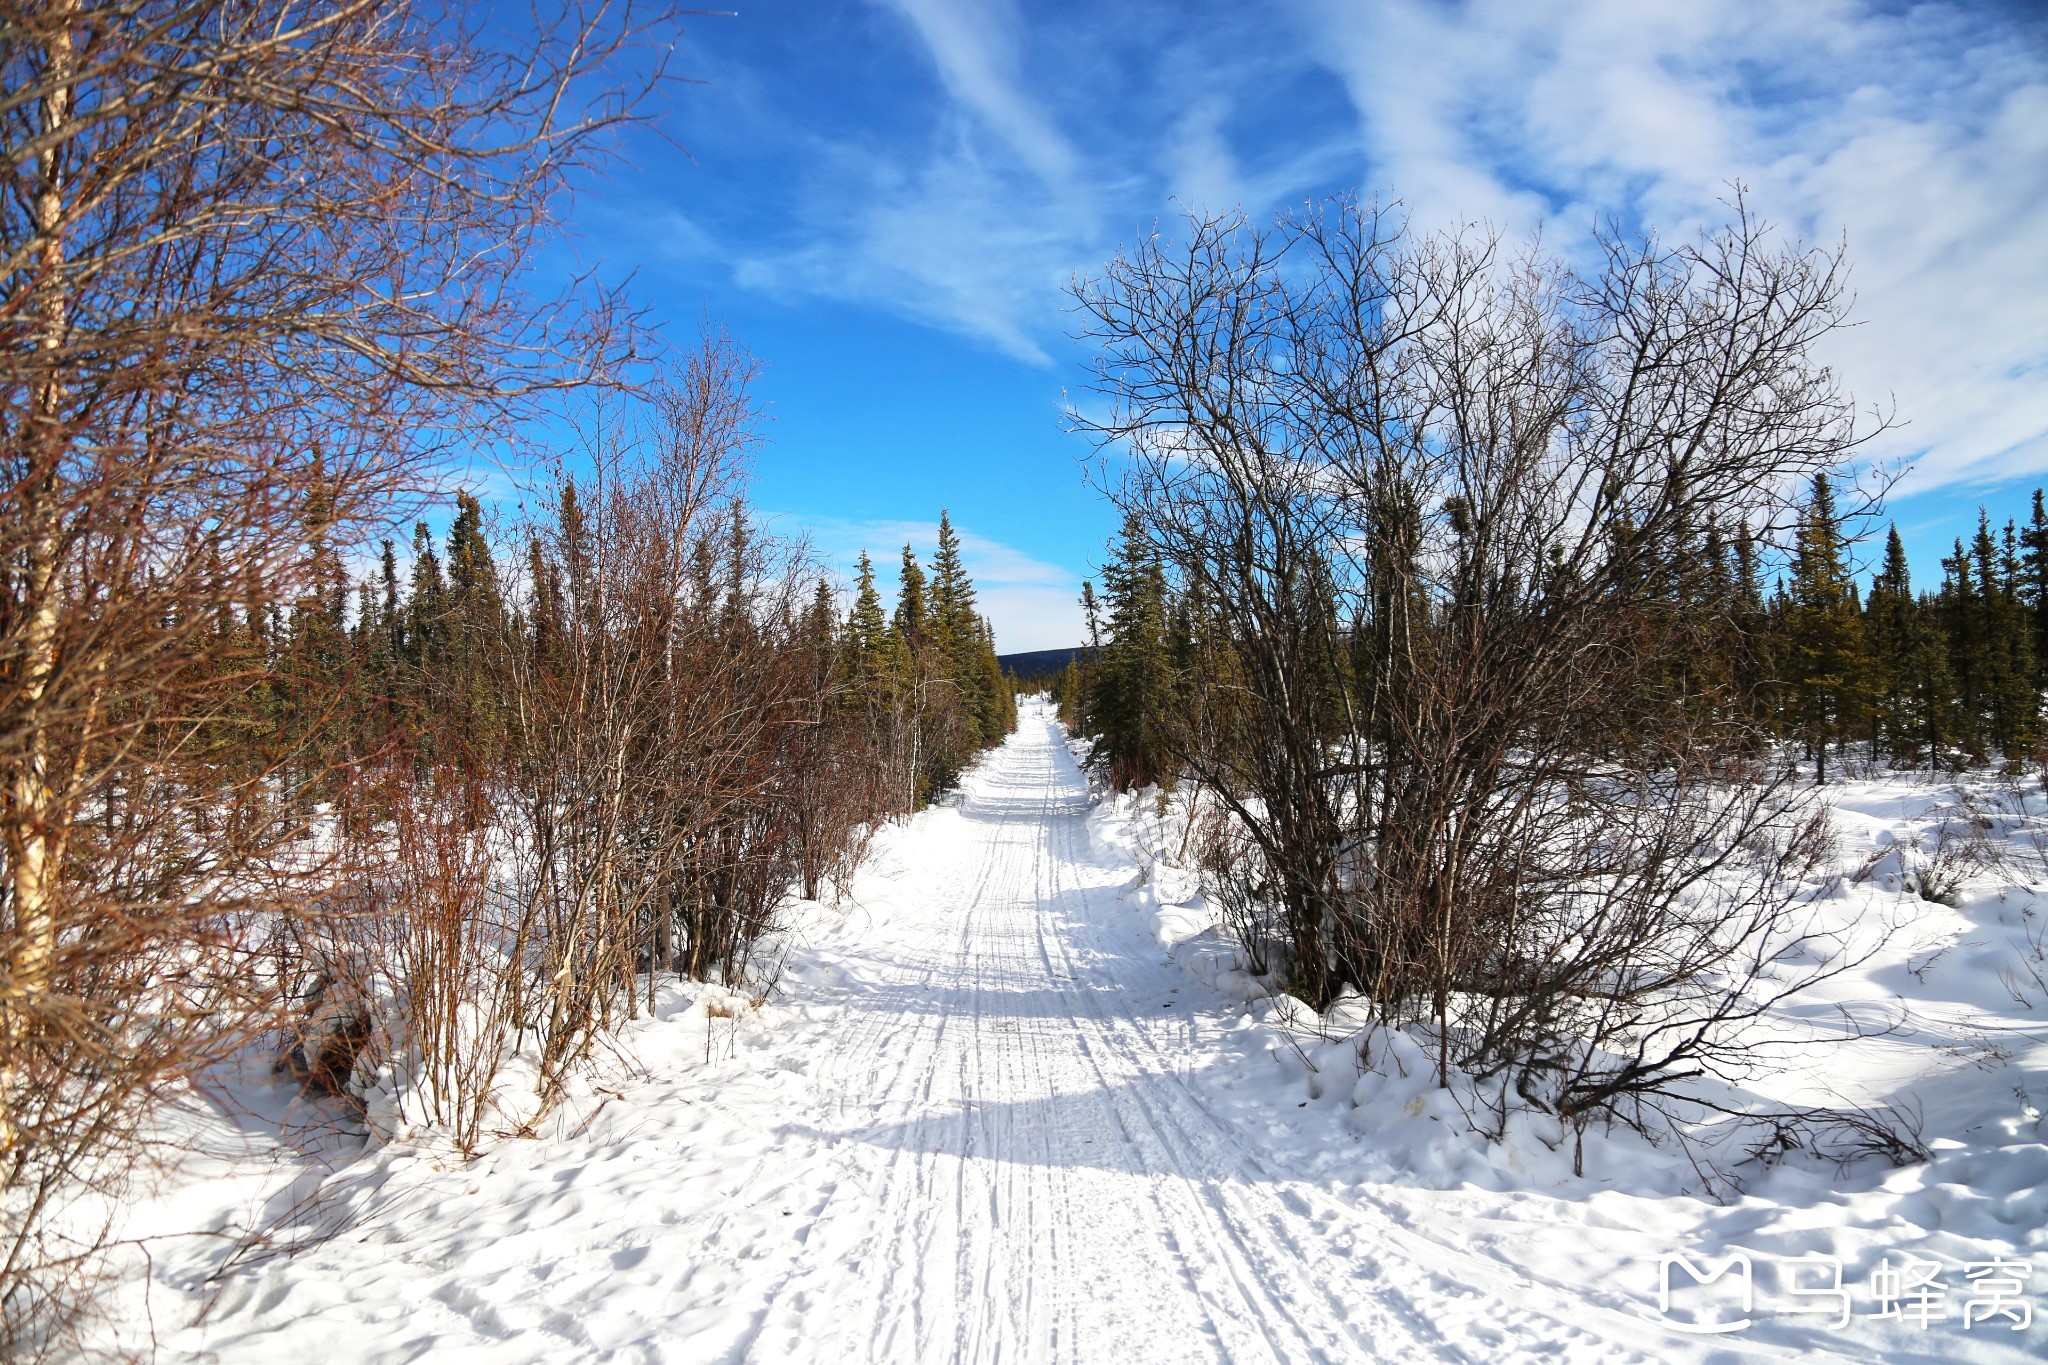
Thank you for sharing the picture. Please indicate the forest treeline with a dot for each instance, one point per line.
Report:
(1944, 679)
(441, 661)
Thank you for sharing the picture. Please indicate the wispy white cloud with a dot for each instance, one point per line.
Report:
(1041, 153)
(1198, 163)
(1921, 135)
(974, 44)
(974, 225)
(937, 243)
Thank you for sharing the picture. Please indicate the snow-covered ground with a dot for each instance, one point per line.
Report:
(1011, 1101)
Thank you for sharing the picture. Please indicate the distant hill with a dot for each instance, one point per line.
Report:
(1038, 663)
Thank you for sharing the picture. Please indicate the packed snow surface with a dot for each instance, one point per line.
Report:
(1007, 1103)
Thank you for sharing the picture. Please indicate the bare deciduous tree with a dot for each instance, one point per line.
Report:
(1440, 509)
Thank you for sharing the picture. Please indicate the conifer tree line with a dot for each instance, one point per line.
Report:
(1484, 602)
(1947, 678)
(417, 660)
(923, 678)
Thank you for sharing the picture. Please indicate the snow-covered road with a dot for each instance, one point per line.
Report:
(985, 1116)
(1028, 1174)
(1015, 1163)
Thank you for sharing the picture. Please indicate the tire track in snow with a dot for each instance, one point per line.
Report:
(1026, 1171)
(1247, 1277)
(1395, 1252)
(1290, 1276)
(897, 1233)
(882, 1067)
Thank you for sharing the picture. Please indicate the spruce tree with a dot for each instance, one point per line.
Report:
(468, 693)
(997, 686)
(910, 620)
(1913, 701)
(959, 645)
(390, 622)
(317, 651)
(951, 698)
(866, 631)
(1708, 629)
(1961, 617)
(424, 642)
(2007, 701)
(2033, 591)
(575, 541)
(1829, 669)
(546, 626)
(1750, 639)
(1132, 690)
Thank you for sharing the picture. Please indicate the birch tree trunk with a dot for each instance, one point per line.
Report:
(31, 821)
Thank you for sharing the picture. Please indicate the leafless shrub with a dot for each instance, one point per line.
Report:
(428, 959)
(156, 986)
(670, 761)
(1234, 879)
(672, 711)
(1639, 968)
(2026, 978)
(1966, 843)
(1840, 1136)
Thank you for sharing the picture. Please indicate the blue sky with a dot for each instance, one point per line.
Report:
(886, 198)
